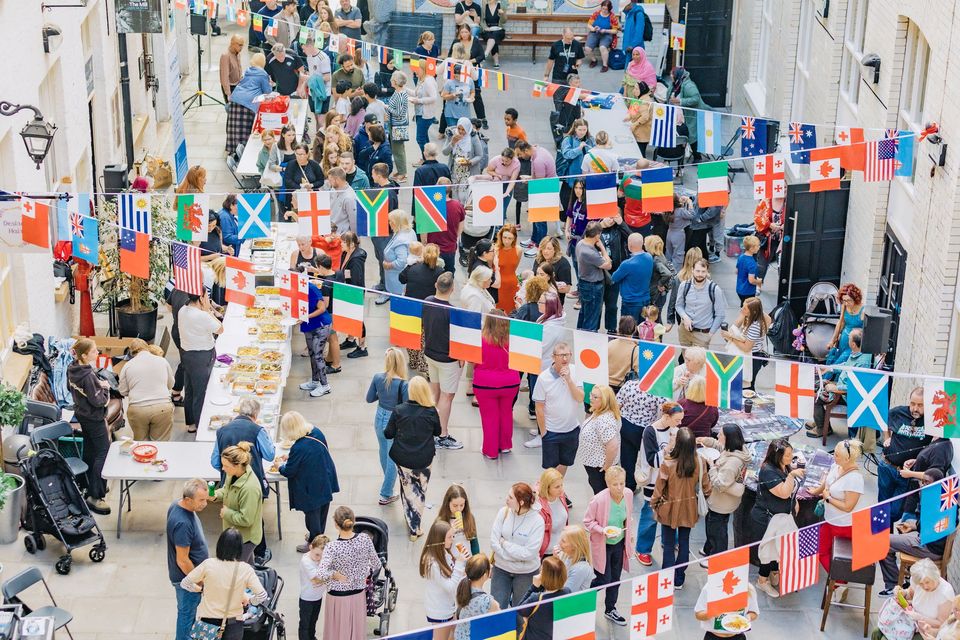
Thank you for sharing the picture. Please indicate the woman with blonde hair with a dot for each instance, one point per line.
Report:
(840, 491)
(310, 472)
(475, 295)
(528, 308)
(420, 277)
(599, 447)
(347, 562)
(553, 509)
(194, 182)
(574, 550)
(388, 389)
(242, 497)
(397, 250)
(242, 106)
(664, 276)
(496, 386)
(413, 425)
(442, 564)
(698, 416)
(145, 381)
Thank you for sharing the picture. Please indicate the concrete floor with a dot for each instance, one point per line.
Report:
(129, 595)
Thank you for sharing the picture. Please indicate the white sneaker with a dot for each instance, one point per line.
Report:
(309, 385)
(321, 390)
(839, 594)
(530, 253)
(533, 432)
(534, 443)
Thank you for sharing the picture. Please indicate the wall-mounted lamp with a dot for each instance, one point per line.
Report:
(51, 38)
(872, 60)
(37, 134)
(931, 133)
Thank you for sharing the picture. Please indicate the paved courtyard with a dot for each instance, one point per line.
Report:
(129, 595)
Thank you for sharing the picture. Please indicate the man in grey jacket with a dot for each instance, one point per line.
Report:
(701, 307)
(343, 202)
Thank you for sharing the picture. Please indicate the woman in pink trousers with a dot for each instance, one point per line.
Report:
(496, 386)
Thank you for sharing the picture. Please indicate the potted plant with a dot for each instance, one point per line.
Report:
(135, 299)
(13, 406)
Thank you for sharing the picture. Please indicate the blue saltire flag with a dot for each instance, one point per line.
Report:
(86, 246)
(867, 400)
(753, 138)
(938, 509)
(802, 137)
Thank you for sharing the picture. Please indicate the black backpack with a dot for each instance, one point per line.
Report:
(647, 28)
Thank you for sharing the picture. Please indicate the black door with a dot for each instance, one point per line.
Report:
(890, 296)
(708, 46)
(813, 249)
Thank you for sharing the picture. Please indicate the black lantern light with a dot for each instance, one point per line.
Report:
(37, 134)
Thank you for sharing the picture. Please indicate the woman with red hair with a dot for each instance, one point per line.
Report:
(850, 298)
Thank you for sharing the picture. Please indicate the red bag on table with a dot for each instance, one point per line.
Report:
(272, 113)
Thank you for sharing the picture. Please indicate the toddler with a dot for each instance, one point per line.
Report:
(416, 253)
(312, 587)
(650, 330)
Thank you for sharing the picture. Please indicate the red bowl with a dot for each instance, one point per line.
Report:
(144, 453)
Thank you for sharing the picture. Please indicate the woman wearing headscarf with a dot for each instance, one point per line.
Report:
(638, 70)
(466, 153)
(686, 94)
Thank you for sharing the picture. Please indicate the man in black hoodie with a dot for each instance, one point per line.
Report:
(90, 397)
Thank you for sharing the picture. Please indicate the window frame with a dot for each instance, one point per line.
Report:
(913, 86)
(854, 35)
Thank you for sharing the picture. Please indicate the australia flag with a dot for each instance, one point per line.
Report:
(753, 136)
(802, 138)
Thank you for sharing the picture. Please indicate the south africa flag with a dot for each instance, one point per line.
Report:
(724, 380)
(372, 209)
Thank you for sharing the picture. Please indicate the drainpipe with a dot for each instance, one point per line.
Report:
(125, 99)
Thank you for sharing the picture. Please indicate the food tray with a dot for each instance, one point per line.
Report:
(270, 355)
(254, 312)
(145, 453)
(268, 291)
(273, 336)
(248, 351)
(243, 385)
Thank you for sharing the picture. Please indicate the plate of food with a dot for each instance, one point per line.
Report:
(244, 366)
(735, 623)
(748, 393)
(244, 385)
(266, 387)
(253, 312)
(262, 244)
(270, 367)
(268, 291)
(273, 336)
(272, 356)
(269, 376)
(270, 326)
(248, 351)
(218, 421)
(612, 532)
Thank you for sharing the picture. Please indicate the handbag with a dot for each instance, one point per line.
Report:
(894, 622)
(632, 373)
(206, 631)
(702, 507)
(399, 133)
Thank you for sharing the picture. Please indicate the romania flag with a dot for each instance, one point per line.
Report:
(405, 322)
(657, 189)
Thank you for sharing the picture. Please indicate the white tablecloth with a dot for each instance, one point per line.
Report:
(247, 166)
(611, 121)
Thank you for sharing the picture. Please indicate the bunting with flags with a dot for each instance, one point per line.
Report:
(465, 341)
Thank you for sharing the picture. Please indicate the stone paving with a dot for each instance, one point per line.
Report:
(129, 595)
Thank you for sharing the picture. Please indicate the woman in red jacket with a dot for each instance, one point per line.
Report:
(553, 509)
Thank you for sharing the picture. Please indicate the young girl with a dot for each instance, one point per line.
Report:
(443, 567)
(650, 330)
(472, 600)
(358, 110)
(268, 161)
(312, 588)
(455, 509)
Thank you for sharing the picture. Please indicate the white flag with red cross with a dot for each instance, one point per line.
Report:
(293, 287)
(651, 604)
(768, 177)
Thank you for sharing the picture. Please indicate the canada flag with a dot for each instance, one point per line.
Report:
(825, 169)
(240, 282)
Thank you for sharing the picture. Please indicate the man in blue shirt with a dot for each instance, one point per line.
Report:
(747, 278)
(857, 359)
(186, 548)
(634, 276)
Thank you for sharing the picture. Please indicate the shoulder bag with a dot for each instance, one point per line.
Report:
(702, 507)
(632, 373)
(893, 621)
(204, 630)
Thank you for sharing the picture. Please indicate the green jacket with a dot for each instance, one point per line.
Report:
(690, 97)
(242, 499)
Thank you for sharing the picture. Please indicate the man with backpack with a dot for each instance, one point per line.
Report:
(637, 28)
(701, 307)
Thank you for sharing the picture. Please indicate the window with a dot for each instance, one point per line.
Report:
(853, 50)
(8, 314)
(802, 77)
(763, 53)
(51, 104)
(913, 83)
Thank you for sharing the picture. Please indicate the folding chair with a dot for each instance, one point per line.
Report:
(19, 583)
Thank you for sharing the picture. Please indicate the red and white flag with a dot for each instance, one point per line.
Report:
(651, 604)
(798, 559)
(795, 390)
(825, 169)
(880, 163)
(768, 177)
(852, 151)
(240, 282)
(727, 580)
(573, 95)
(35, 222)
(313, 213)
(293, 287)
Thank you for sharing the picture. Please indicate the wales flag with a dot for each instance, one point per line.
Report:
(940, 408)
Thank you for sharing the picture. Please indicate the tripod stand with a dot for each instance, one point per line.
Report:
(198, 26)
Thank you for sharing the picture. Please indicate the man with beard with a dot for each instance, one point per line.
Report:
(902, 441)
(701, 307)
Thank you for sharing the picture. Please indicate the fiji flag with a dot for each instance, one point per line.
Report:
(904, 153)
(86, 245)
(938, 509)
(753, 136)
(802, 137)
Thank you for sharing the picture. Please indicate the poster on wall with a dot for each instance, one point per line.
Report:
(139, 16)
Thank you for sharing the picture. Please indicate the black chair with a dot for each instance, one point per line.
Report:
(38, 414)
(19, 583)
(841, 570)
(51, 435)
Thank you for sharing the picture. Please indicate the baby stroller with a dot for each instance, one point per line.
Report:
(820, 319)
(381, 587)
(55, 507)
(260, 621)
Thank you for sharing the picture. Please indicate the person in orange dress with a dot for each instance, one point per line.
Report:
(506, 259)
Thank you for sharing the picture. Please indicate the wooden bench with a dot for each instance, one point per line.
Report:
(533, 38)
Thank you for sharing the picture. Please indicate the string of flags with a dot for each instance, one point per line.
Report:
(652, 595)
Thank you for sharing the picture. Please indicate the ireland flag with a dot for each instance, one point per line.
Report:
(575, 616)
(348, 310)
(192, 211)
(526, 344)
(543, 199)
(940, 408)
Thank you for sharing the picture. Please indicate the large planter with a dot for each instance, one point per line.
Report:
(11, 512)
(132, 324)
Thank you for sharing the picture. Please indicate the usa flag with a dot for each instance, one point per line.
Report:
(187, 276)
(881, 160)
(135, 212)
(798, 559)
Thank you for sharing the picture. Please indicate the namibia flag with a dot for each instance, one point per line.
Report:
(430, 208)
(655, 368)
(724, 380)
(372, 209)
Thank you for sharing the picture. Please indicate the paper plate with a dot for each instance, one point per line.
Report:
(221, 402)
